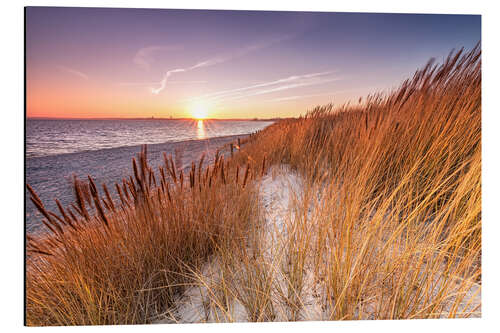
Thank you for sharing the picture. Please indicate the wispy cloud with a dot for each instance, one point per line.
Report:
(73, 72)
(220, 59)
(291, 82)
(163, 82)
(145, 56)
(292, 98)
(149, 84)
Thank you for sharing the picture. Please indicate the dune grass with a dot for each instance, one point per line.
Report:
(386, 226)
(127, 261)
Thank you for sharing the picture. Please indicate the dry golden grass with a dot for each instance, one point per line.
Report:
(398, 223)
(386, 226)
(126, 263)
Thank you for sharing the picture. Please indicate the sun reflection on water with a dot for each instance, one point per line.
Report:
(200, 129)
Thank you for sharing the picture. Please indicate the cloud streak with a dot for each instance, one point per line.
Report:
(73, 72)
(291, 98)
(291, 82)
(219, 60)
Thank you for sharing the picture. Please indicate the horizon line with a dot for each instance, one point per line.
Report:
(150, 118)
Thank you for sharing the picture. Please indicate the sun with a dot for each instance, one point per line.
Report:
(199, 110)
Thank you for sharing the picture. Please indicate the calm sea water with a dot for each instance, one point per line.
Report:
(53, 137)
(56, 150)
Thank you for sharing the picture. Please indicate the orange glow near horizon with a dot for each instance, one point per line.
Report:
(211, 64)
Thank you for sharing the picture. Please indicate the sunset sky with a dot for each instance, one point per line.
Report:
(98, 63)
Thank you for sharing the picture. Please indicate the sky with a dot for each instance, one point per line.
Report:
(130, 63)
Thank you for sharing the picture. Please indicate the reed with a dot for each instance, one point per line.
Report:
(126, 264)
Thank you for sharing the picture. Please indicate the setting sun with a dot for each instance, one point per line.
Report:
(199, 110)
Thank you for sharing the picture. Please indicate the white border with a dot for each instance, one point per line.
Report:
(13, 137)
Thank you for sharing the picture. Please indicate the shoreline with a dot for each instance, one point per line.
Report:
(140, 145)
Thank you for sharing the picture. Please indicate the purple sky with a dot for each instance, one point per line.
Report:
(97, 62)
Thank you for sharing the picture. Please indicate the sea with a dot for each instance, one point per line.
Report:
(58, 150)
